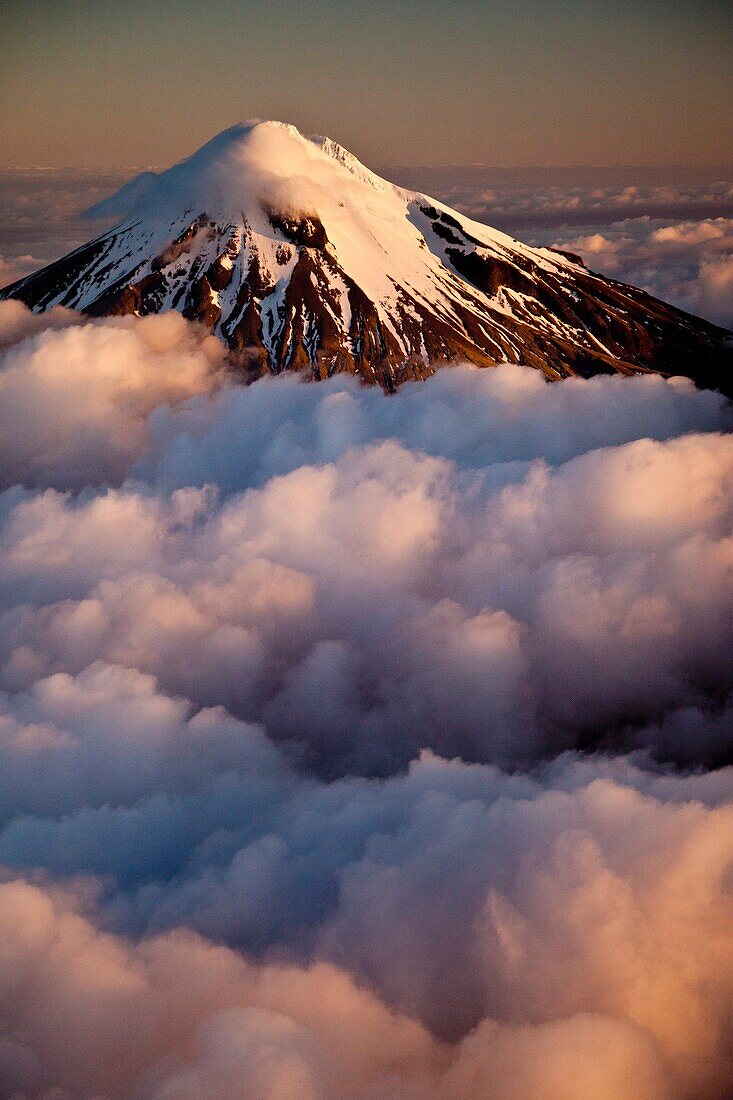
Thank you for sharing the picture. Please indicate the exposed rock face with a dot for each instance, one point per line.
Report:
(301, 259)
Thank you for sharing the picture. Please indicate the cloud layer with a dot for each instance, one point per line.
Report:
(41, 214)
(452, 933)
(689, 263)
(529, 199)
(355, 746)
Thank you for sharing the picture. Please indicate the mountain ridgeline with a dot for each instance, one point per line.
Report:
(301, 259)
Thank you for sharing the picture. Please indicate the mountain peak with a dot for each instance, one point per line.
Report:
(301, 258)
(268, 162)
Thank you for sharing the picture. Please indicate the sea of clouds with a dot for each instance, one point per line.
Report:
(355, 746)
(365, 747)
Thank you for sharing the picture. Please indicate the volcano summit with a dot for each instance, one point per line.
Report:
(300, 258)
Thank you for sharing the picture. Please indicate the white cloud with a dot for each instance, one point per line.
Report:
(688, 263)
(479, 935)
(265, 652)
(74, 397)
(17, 267)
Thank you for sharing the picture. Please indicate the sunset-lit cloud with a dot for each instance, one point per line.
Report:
(689, 263)
(355, 746)
(562, 930)
(275, 530)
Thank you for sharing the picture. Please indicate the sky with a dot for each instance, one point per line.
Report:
(564, 82)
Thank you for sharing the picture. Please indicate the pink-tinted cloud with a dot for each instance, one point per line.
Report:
(331, 729)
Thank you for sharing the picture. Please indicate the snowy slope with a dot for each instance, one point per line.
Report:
(301, 258)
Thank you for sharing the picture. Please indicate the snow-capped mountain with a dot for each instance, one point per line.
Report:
(300, 258)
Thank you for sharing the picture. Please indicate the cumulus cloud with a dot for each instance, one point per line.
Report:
(75, 396)
(355, 746)
(387, 599)
(177, 1016)
(689, 263)
(471, 934)
(17, 322)
(17, 267)
(106, 401)
(476, 419)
